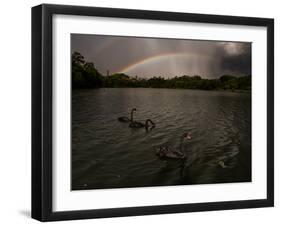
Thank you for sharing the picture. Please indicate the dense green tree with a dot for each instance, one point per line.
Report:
(85, 75)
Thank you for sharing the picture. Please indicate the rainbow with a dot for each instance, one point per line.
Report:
(156, 59)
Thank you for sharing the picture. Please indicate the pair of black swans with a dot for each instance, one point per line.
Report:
(135, 124)
(163, 152)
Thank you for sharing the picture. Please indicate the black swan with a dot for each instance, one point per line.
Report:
(167, 152)
(126, 119)
(135, 124)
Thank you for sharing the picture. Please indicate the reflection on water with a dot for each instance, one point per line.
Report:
(108, 154)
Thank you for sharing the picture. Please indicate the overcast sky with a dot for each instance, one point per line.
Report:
(148, 57)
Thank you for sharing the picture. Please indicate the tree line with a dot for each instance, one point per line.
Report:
(85, 75)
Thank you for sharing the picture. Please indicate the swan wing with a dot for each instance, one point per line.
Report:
(169, 153)
(123, 119)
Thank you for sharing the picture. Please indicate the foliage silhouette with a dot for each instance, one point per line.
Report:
(85, 75)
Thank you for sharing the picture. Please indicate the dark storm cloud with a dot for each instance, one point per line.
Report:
(239, 63)
(146, 57)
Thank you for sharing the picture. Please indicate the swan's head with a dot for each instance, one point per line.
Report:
(134, 109)
(187, 136)
(149, 120)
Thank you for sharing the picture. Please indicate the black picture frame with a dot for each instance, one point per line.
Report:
(42, 111)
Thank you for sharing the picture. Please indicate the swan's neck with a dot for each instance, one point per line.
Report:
(146, 123)
(181, 143)
(132, 115)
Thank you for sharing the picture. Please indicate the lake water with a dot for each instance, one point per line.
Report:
(107, 153)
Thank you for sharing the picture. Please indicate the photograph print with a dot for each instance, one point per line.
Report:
(159, 112)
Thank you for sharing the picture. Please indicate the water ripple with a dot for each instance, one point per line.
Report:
(107, 153)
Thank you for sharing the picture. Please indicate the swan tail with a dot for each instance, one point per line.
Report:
(123, 119)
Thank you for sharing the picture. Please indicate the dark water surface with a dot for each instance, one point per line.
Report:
(108, 154)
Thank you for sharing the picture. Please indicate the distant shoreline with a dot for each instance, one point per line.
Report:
(213, 90)
(86, 75)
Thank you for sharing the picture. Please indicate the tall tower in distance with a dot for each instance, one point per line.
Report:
(107, 73)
